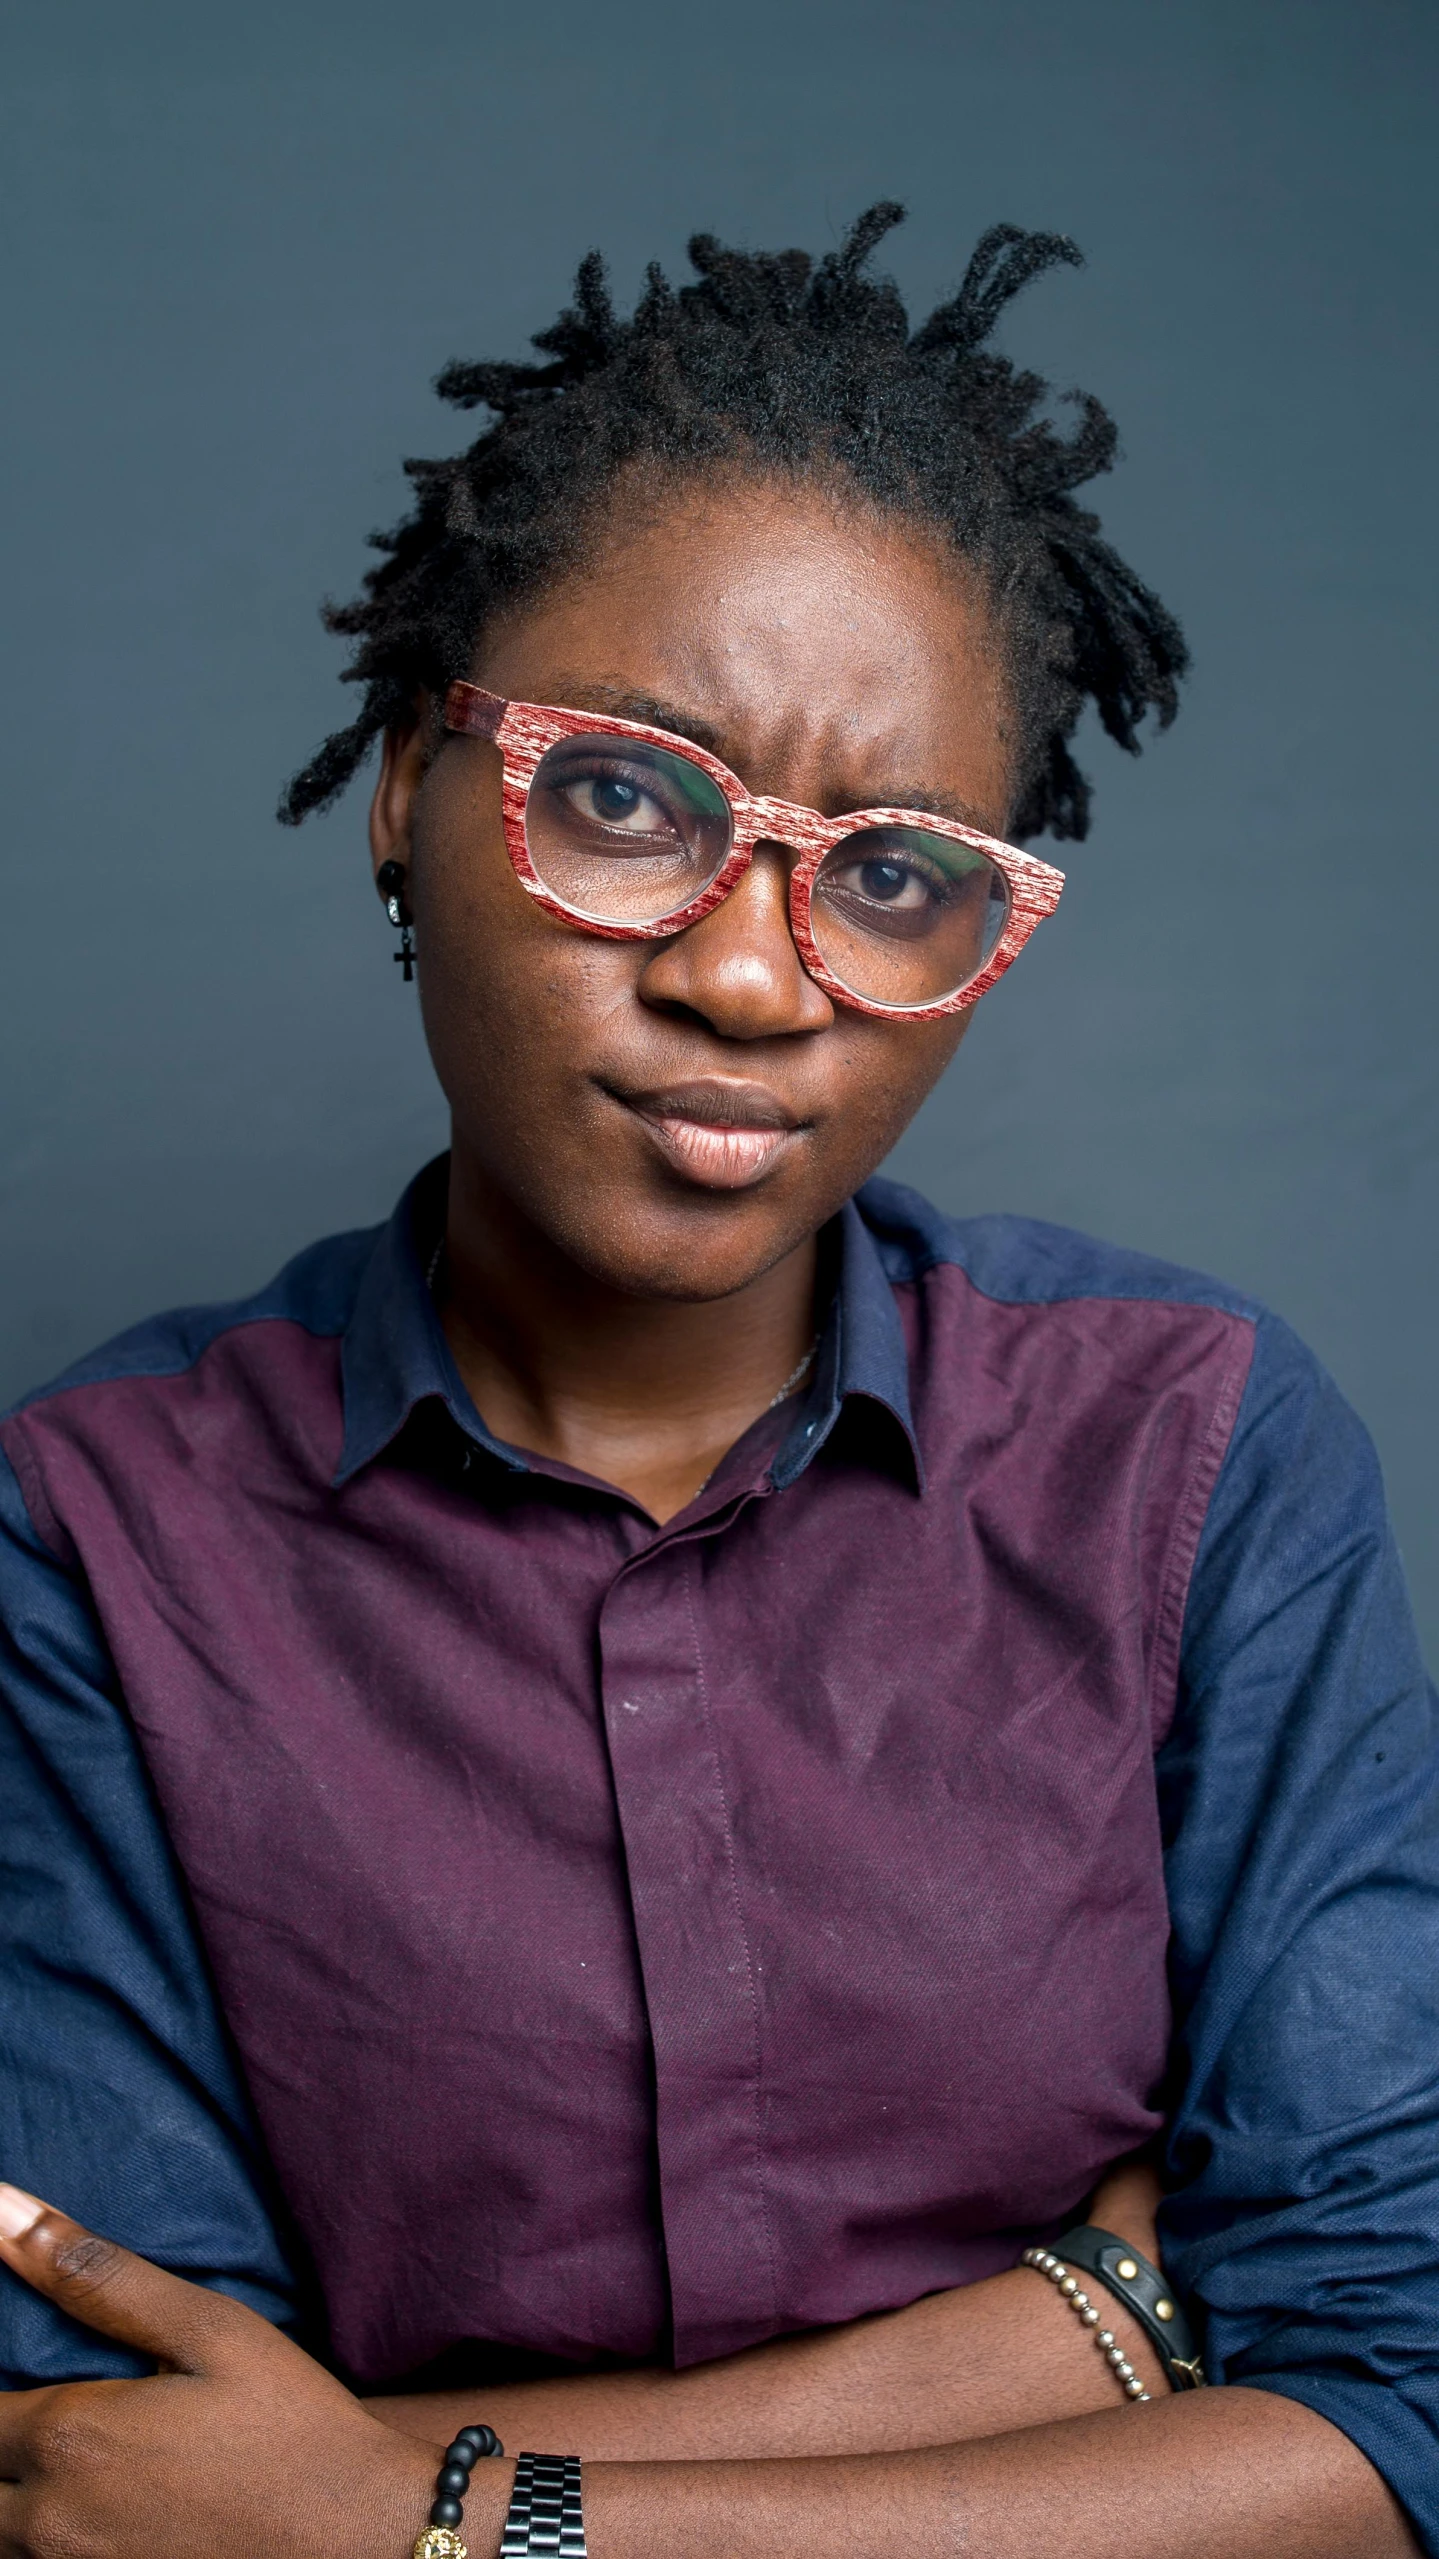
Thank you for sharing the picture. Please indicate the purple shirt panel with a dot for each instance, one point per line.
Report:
(651, 1941)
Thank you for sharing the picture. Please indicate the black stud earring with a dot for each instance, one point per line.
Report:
(390, 880)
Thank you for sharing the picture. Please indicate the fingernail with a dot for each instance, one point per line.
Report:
(19, 2212)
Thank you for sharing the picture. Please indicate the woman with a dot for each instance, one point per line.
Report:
(605, 1780)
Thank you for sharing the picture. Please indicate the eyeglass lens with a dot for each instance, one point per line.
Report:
(904, 917)
(626, 833)
(622, 832)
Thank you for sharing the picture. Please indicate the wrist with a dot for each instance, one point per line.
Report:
(1127, 2202)
(1127, 2352)
(400, 2499)
(486, 2505)
(394, 2495)
(469, 2485)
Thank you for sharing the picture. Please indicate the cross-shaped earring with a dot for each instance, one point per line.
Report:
(390, 880)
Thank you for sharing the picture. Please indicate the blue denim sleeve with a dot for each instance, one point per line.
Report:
(1300, 1795)
(120, 2100)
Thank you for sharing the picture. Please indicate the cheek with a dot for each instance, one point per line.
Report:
(510, 999)
(886, 1071)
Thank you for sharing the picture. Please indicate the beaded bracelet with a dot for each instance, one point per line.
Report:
(1122, 2269)
(1044, 2263)
(440, 2538)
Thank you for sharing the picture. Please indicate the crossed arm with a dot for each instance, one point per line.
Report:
(976, 2422)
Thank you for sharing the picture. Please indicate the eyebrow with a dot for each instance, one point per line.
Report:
(621, 702)
(929, 804)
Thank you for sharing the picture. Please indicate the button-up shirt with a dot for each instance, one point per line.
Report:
(481, 1927)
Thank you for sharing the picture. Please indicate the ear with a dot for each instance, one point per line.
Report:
(403, 765)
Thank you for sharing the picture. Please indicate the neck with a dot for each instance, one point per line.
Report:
(645, 1393)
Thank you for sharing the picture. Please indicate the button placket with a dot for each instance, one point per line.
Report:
(695, 1958)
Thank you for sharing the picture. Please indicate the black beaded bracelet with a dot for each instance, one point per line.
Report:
(441, 2538)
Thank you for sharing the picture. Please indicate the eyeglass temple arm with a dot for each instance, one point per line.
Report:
(473, 711)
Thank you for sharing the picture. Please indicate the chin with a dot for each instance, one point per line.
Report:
(708, 1250)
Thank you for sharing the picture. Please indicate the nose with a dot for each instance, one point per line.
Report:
(738, 969)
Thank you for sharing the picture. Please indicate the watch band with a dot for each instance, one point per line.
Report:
(1145, 2294)
(545, 2518)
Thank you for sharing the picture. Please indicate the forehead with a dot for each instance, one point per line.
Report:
(830, 653)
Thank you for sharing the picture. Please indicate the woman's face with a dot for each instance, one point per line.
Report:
(676, 1116)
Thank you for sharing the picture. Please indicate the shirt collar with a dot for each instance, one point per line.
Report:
(395, 1355)
(862, 1353)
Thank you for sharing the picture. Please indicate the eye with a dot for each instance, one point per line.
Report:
(618, 801)
(900, 882)
(889, 883)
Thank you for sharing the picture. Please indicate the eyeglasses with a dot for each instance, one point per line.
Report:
(633, 833)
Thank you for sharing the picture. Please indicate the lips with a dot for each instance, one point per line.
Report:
(719, 1134)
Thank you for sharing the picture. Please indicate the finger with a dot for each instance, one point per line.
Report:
(121, 2295)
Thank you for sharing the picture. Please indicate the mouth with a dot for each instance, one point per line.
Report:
(724, 1135)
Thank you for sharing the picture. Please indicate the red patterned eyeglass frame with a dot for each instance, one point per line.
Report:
(525, 731)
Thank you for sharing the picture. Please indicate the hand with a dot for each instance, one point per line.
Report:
(240, 2446)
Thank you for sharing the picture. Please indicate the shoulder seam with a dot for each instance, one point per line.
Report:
(189, 1332)
(1093, 1296)
(1185, 1536)
(67, 1383)
(32, 1493)
(935, 1260)
(913, 1239)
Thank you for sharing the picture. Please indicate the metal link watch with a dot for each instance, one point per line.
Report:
(545, 2518)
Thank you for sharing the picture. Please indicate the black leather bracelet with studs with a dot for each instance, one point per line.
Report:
(1129, 2276)
(1145, 2295)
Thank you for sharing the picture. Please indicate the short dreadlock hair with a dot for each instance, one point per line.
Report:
(778, 365)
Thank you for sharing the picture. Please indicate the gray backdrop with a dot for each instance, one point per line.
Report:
(240, 244)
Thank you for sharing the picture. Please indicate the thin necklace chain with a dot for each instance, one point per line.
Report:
(791, 1382)
(793, 1379)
